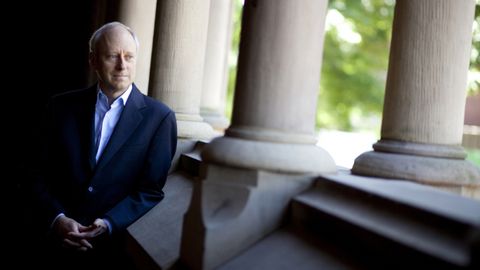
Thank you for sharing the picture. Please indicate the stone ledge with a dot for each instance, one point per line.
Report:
(344, 221)
(155, 238)
(287, 248)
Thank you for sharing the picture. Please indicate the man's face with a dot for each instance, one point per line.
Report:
(114, 60)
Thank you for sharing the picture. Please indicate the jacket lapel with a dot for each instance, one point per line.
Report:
(128, 122)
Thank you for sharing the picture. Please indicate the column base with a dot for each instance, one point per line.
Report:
(192, 126)
(215, 119)
(269, 156)
(457, 175)
(420, 149)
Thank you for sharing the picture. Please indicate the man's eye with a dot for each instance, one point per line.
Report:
(129, 57)
(112, 57)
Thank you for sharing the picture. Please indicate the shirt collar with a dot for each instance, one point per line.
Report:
(123, 98)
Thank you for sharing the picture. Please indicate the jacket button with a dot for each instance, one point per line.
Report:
(90, 189)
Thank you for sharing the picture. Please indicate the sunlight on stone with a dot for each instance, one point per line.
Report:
(344, 147)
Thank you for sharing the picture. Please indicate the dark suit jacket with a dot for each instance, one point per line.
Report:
(128, 179)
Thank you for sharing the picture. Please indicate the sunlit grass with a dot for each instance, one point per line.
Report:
(473, 156)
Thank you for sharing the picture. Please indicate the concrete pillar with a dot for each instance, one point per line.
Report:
(178, 61)
(273, 122)
(268, 153)
(215, 75)
(424, 106)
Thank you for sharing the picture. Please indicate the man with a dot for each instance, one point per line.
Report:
(109, 150)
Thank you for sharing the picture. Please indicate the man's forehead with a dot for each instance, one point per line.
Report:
(115, 40)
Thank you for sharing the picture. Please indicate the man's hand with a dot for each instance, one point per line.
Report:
(64, 227)
(87, 233)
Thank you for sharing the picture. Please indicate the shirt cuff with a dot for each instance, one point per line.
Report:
(55, 219)
(109, 225)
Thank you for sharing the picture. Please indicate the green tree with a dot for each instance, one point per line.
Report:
(232, 67)
(474, 83)
(355, 60)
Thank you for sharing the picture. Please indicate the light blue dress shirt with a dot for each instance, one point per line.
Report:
(106, 118)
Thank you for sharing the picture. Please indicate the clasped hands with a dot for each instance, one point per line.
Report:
(77, 236)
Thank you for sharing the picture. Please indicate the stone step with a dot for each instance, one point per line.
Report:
(376, 223)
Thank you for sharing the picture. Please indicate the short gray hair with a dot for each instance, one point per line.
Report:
(100, 31)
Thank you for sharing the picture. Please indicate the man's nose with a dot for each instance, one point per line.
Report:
(121, 62)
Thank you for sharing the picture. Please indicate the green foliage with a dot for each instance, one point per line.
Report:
(473, 155)
(232, 76)
(353, 73)
(474, 83)
(232, 67)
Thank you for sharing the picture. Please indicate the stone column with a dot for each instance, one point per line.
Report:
(215, 74)
(178, 61)
(273, 123)
(268, 153)
(424, 106)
